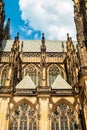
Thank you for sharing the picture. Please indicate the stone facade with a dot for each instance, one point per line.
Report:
(43, 84)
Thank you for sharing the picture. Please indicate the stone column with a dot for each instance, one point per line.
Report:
(4, 113)
(44, 111)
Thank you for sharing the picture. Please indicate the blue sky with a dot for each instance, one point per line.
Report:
(13, 12)
(30, 18)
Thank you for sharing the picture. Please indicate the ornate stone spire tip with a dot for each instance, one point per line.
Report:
(17, 36)
(43, 38)
(9, 19)
(67, 36)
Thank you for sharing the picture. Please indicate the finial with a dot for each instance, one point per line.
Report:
(67, 36)
(62, 46)
(43, 38)
(70, 39)
(15, 38)
(22, 46)
(43, 47)
(17, 35)
(9, 19)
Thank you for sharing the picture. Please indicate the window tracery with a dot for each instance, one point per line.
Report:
(63, 118)
(33, 72)
(53, 72)
(24, 118)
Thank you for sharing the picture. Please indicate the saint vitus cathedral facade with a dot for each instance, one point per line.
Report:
(43, 84)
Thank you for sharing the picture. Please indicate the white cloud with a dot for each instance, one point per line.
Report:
(53, 17)
(26, 30)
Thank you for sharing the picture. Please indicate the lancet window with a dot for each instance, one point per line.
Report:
(4, 75)
(24, 118)
(53, 73)
(63, 118)
(33, 72)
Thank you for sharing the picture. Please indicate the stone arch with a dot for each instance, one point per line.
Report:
(24, 100)
(62, 100)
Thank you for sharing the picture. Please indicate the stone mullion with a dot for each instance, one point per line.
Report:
(50, 122)
(23, 125)
(55, 126)
(32, 125)
(19, 124)
(27, 124)
(68, 124)
(37, 123)
(59, 124)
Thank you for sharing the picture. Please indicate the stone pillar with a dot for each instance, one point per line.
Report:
(44, 111)
(4, 113)
(43, 82)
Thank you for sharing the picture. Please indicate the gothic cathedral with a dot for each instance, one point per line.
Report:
(43, 84)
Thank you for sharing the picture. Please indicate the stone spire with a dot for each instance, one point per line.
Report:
(43, 63)
(2, 18)
(62, 47)
(7, 30)
(15, 62)
(43, 47)
(72, 62)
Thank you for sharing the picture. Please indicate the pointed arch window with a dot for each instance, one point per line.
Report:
(24, 118)
(53, 72)
(4, 75)
(32, 72)
(62, 118)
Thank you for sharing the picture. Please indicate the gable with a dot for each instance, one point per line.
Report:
(60, 83)
(26, 83)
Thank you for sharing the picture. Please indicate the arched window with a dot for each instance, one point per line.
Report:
(53, 72)
(4, 75)
(63, 118)
(31, 71)
(24, 118)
